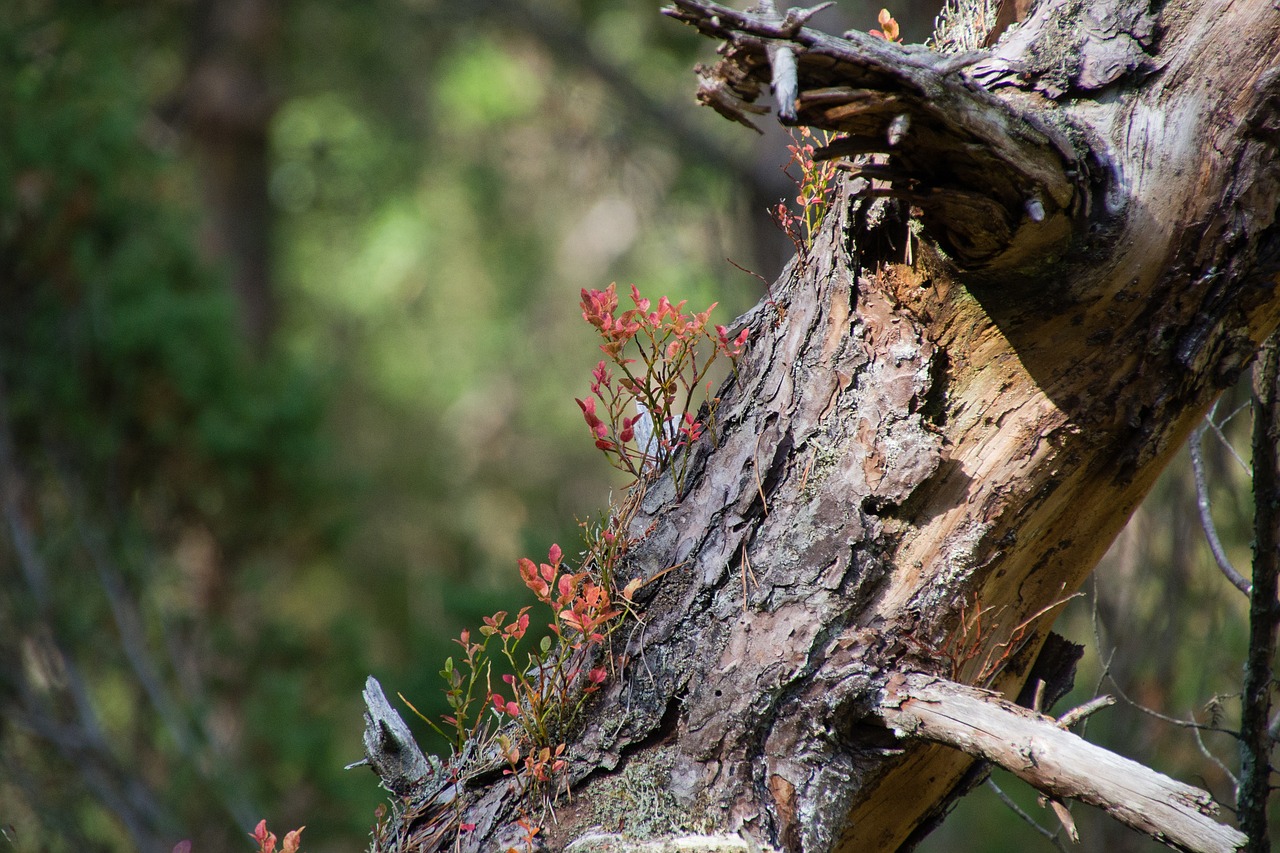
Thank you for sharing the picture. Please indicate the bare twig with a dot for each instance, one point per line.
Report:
(1083, 712)
(1063, 813)
(189, 735)
(1217, 426)
(128, 621)
(1049, 834)
(1106, 676)
(1204, 750)
(1175, 721)
(1195, 445)
(83, 745)
(73, 727)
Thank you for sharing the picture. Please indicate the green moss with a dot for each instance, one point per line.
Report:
(602, 843)
(637, 802)
(825, 458)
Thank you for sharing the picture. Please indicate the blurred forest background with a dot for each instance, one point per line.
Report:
(288, 350)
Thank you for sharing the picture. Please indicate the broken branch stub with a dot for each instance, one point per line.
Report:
(998, 189)
(389, 745)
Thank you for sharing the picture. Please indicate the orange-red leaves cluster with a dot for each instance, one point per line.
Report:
(267, 840)
(889, 30)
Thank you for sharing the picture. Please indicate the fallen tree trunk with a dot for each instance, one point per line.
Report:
(1017, 310)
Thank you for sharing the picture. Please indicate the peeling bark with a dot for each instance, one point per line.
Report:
(954, 402)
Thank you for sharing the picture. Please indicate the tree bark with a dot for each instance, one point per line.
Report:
(1010, 321)
(1264, 618)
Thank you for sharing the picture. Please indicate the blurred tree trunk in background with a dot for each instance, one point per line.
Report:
(226, 105)
(145, 461)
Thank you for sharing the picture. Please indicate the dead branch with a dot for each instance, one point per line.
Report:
(1196, 447)
(389, 745)
(995, 186)
(1063, 766)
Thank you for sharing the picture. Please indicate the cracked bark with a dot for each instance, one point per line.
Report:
(999, 338)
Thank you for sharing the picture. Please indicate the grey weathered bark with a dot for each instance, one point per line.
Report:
(1014, 316)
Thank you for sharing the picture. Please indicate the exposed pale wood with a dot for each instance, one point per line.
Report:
(1034, 748)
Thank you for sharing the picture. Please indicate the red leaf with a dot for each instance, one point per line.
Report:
(292, 840)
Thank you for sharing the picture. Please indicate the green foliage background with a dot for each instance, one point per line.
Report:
(205, 550)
